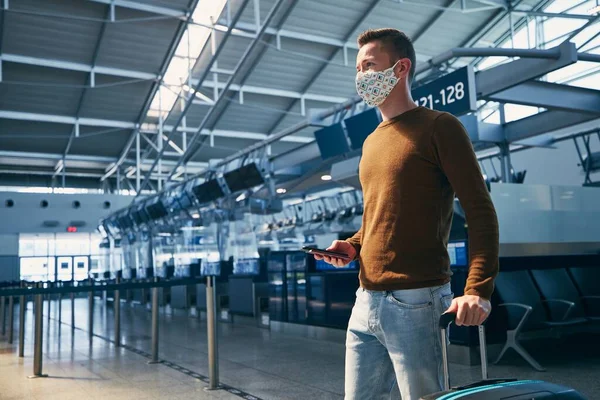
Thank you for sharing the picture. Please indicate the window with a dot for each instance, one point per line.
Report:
(36, 245)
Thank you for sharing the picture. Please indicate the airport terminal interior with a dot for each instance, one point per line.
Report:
(165, 164)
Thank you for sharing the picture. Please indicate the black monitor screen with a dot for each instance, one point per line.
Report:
(458, 254)
(160, 210)
(144, 213)
(210, 268)
(243, 178)
(139, 214)
(137, 217)
(156, 209)
(248, 266)
(276, 262)
(332, 141)
(360, 126)
(297, 261)
(125, 221)
(208, 191)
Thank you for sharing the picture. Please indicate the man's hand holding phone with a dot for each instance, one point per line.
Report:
(338, 246)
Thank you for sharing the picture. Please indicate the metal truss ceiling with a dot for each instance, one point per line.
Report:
(101, 77)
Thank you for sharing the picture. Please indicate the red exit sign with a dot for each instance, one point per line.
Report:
(71, 229)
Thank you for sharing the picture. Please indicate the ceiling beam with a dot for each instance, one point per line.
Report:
(146, 128)
(90, 80)
(551, 96)
(49, 173)
(504, 76)
(83, 158)
(500, 3)
(543, 122)
(483, 29)
(71, 66)
(553, 15)
(181, 29)
(188, 104)
(348, 35)
(243, 29)
(76, 174)
(247, 30)
(149, 128)
(134, 5)
(256, 61)
(272, 92)
(55, 156)
(63, 119)
(193, 146)
(87, 68)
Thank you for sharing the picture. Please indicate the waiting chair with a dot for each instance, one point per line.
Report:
(557, 284)
(587, 281)
(526, 315)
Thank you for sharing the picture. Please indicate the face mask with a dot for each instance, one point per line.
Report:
(375, 86)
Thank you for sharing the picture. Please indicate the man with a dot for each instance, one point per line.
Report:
(412, 166)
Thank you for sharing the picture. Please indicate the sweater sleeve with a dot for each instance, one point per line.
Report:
(457, 160)
(356, 241)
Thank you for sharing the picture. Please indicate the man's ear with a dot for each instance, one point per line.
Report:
(402, 68)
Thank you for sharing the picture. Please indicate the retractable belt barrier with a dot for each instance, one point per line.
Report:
(39, 289)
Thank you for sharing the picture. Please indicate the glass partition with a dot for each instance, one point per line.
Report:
(163, 247)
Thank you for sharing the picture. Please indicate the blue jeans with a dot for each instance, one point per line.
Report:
(393, 342)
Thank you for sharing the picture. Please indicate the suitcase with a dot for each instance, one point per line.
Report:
(494, 389)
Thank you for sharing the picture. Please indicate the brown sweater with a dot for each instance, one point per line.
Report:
(411, 168)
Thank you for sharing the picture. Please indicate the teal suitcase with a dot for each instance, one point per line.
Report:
(496, 389)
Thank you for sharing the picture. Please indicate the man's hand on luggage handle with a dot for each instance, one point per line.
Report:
(470, 310)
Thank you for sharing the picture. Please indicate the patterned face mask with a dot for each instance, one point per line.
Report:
(375, 86)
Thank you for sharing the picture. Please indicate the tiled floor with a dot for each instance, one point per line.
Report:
(256, 361)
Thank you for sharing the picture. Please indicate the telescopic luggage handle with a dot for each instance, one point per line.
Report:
(445, 320)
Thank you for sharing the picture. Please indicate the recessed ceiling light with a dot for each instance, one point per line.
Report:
(281, 190)
(326, 178)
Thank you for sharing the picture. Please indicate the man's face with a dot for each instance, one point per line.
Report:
(372, 57)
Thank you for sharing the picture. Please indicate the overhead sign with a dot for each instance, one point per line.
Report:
(454, 93)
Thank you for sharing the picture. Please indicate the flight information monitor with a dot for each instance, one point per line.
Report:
(249, 266)
(210, 268)
(125, 221)
(243, 178)
(457, 250)
(156, 209)
(208, 191)
(360, 126)
(331, 141)
(137, 216)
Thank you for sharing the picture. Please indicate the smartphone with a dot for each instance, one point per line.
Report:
(321, 252)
